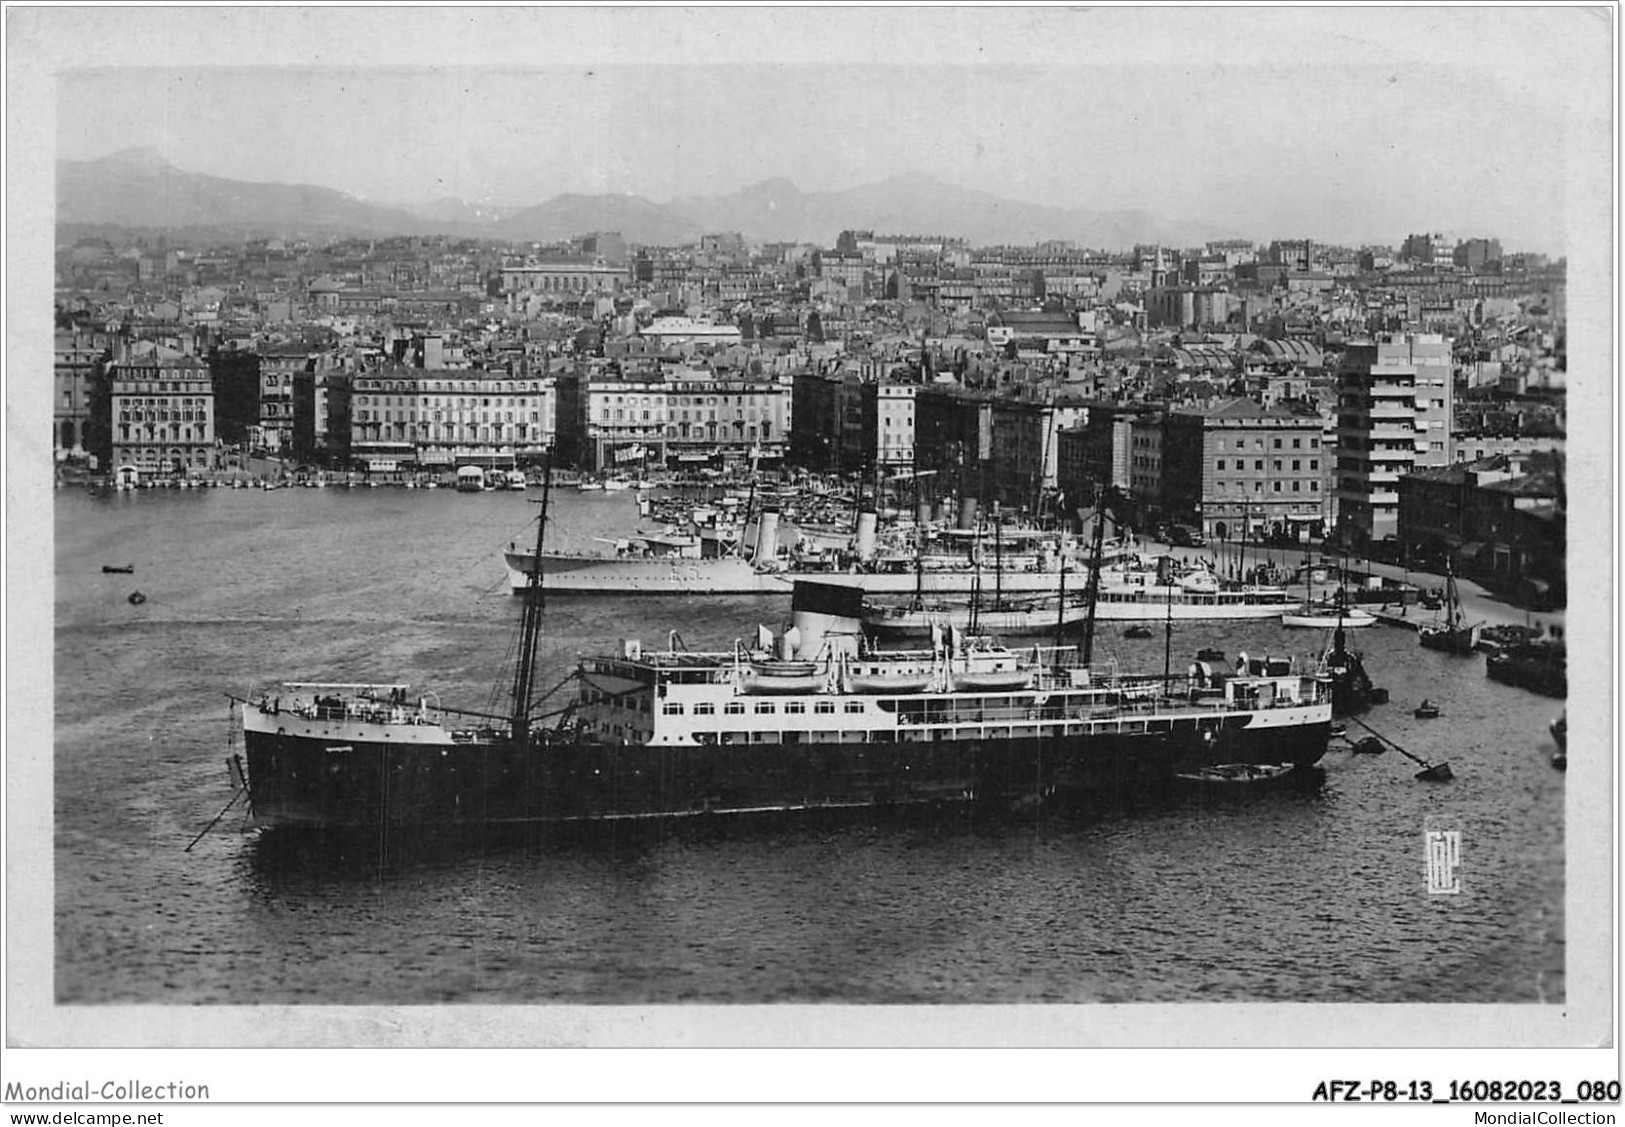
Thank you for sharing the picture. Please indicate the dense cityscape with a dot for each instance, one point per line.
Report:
(1405, 401)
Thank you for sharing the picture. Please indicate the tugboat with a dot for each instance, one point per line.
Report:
(1352, 691)
(1427, 710)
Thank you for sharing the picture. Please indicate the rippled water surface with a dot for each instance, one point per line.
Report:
(1306, 895)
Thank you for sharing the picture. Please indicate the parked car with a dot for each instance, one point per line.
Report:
(1184, 536)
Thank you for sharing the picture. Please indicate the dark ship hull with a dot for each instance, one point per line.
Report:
(1539, 668)
(304, 781)
(1462, 641)
(1351, 688)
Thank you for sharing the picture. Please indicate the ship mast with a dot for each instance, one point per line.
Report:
(524, 677)
(1453, 615)
(998, 563)
(1060, 600)
(1168, 637)
(1091, 590)
(919, 550)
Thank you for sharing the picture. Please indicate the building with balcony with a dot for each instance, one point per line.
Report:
(675, 417)
(406, 418)
(1393, 416)
(163, 414)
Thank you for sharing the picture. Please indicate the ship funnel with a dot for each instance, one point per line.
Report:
(826, 615)
(767, 536)
(922, 512)
(866, 534)
(967, 514)
(942, 512)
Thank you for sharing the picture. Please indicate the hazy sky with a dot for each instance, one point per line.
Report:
(1345, 124)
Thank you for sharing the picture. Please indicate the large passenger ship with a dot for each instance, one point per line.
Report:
(810, 719)
(649, 565)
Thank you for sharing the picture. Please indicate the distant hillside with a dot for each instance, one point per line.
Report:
(567, 216)
(920, 204)
(137, 188)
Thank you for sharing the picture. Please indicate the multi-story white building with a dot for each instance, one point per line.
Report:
(893, 422)
(437, 420)
(163, 415)
(1394, 415)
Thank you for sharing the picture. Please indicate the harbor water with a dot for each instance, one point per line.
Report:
(1314, 894)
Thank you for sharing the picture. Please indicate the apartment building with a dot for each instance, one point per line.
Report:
(1393, 416)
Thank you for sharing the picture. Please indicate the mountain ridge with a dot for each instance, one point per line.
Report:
(139, 188)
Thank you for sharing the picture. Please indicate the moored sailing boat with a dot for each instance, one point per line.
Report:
(1452, 635)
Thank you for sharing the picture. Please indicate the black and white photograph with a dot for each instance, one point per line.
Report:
(812, 528)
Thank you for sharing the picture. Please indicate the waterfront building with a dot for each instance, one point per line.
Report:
(162, 407)
(1499, 520)
(321, 416)
(1099, 452)
(888, 418)
(668, 415)
(404, 417)
(829, 412)
(279, 365)
(1023, 468)
(1240, 471)
(1145, 464)
(953, 435)
(1394, 415)
(75, 362)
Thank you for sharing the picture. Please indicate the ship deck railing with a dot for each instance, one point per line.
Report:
(919, 710)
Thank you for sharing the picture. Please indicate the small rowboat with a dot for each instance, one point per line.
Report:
(880, 683)
(1230, 774)
(118, 569)
(1316, 617)
(784, 677)
(993, 681)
